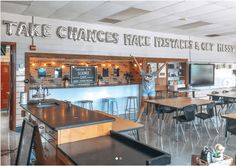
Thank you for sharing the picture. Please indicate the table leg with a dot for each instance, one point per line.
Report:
(137, 134)
(226, 126)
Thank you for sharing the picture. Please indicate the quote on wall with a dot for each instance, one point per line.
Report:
(92, 35)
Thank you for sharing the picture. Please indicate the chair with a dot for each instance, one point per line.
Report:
(162, 110)
(230, 127)
(84, 103)
(131, 106)
(228, 101)
(188, 116)
(209, 115)
(110, 103)
(218, 102)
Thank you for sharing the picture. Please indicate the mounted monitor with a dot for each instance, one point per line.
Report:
(201, 74)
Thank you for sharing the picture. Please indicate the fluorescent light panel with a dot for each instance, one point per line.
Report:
(193, 25)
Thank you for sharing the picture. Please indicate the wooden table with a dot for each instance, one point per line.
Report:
(229, 116)
(175, 92)
(178, 103)
(122, 125)
(228, 95)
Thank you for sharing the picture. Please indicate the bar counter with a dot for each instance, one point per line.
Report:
(61, 116)
(95, 93)
(83, 86)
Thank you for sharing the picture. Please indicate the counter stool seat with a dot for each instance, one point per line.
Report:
(131, 107)
(84, 103)
(110, 102)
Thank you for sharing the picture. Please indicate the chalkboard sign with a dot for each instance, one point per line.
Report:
(83, 75)
(25, 144)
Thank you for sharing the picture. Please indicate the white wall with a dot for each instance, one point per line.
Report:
(55, 45)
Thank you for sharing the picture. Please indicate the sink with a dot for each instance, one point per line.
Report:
(49, 104)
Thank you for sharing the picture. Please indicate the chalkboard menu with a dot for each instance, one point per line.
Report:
(83, 75)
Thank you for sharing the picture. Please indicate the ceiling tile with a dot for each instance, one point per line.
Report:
(11, 7)
(43, 8)
(107, 9)
(154, 5)
(21, 2)
(87, 17)
(127, 3)
(228, 4)
(200, 11)
(183, 6)
(128, 13)
(74, 9)
(142, 18)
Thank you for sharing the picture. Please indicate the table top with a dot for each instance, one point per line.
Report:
(112, 150)
(61, 117)
(121, 124)
(230, 94)
(229, 116)
(182, 90)
(179, 102)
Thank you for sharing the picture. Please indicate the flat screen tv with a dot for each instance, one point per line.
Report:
(201, 74)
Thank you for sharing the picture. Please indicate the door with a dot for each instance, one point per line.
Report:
(5, 84)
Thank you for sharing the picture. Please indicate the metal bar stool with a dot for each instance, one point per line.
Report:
(85, 103)
(111, 104)
(131, 101)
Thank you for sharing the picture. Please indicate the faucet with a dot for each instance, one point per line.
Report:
(41, 93)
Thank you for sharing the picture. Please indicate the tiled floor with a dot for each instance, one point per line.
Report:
(180, 151)
(9, 141)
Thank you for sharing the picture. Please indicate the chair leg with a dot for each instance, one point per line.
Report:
(196, 129)
(206, 129)
(154, 120)
(117, 109)
(126, 108)
(214, 126)
(181, 127)
(177, 128)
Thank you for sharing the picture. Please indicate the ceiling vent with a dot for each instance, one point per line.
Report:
(193, 25)
(128, 13)
(109, 20)
(212, 35)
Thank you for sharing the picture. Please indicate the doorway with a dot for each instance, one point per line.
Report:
(8, 81)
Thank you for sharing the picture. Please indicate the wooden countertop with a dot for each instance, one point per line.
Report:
(60, 117)
(84, 86)
(121, 124)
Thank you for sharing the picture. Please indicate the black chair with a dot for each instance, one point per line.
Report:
(227, 101)
(230, 127)
(162, 110)
(188, 116)
(209, 115)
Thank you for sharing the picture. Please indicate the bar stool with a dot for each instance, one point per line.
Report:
(111, 103)
(131, 100)
(84, 103)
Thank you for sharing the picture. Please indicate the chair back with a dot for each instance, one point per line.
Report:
(231, 127)
(225, 91)
(215, 98)
(189, 112)
(210, 109)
